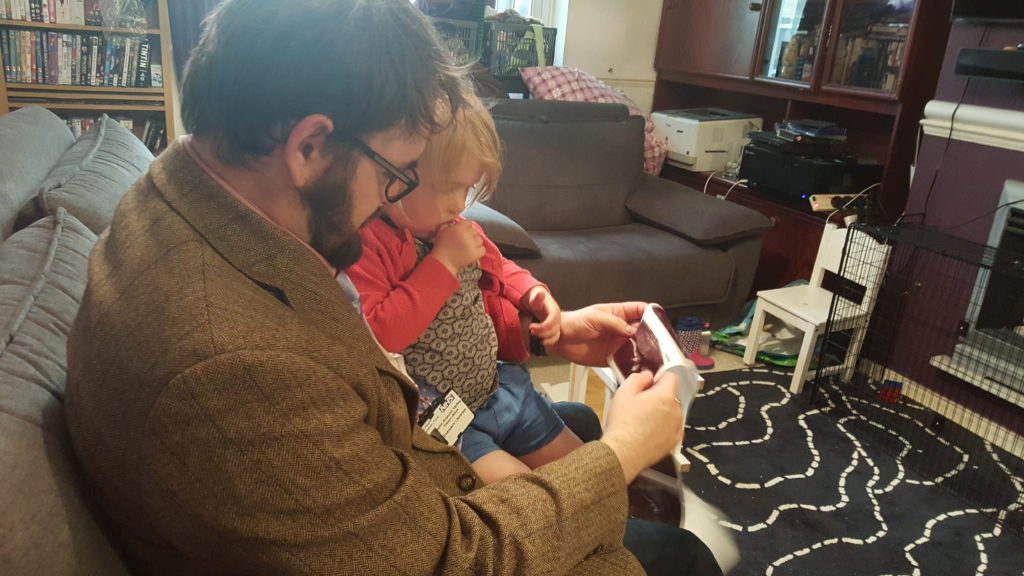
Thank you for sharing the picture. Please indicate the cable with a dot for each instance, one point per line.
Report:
(734, 184)
(709, 181)
(949, 137)
(992, 211)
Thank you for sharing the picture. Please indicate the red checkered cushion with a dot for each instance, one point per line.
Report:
(574, 85)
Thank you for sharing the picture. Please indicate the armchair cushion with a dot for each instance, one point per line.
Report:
(47, 522)
(574, 85)
(91, 177)
(567, 165)
(510, 237)
(704, 219)
(33, 140)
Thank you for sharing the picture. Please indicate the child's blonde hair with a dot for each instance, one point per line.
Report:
(469, 136)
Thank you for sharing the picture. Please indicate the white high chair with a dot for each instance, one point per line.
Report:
(806, 307)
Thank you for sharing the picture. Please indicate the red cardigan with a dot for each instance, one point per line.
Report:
(401, 299)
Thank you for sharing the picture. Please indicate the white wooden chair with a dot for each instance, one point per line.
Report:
(806, 308)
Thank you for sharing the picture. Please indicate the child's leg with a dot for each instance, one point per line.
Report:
(496, 465)
(564, 443)
(536, 434)
(480, 442)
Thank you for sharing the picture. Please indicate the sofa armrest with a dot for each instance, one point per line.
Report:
(703, 219)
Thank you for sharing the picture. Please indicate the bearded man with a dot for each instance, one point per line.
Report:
(227, 403)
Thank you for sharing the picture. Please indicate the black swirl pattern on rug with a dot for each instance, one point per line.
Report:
(804, 490)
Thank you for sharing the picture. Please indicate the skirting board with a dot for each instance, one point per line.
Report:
(976, 423)
(977, 124)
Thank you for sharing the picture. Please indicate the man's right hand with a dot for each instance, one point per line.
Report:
(457, 245)
(644, 421)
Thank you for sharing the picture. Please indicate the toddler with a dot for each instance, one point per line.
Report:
(435, 289)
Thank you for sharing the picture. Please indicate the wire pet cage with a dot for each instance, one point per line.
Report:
(510, 47)
(461, 39)
(940, 377)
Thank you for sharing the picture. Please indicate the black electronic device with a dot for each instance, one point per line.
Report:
(1002, 64)
(988, 10)
(769, 168)
(790, 144)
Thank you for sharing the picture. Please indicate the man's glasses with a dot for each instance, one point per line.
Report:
(400, 183)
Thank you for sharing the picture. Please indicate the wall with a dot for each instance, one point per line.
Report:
(614, 41)
(968, 177)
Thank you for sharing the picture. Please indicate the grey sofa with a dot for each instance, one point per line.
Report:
(64, 192)
(584, 218)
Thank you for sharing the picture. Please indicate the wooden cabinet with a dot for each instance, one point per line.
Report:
(708, 36)
(84, 64)
(867, 65)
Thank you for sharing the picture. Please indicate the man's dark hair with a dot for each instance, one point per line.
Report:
(263, 65)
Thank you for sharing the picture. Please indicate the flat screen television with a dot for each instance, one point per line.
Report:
(988, 10)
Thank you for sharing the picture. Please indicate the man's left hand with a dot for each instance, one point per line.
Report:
(589, 335)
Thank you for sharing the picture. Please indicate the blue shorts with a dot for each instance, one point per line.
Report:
(516, 418)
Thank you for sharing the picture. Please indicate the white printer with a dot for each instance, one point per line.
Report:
(704, 139)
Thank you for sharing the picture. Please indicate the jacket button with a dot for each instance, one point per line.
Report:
(466, 482)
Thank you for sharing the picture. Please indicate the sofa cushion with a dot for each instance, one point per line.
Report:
(574, 85)
(510, 237)
(32, 139)
(626, 262)
(565, 168)
(705, 219)
(92, 176)
(47, 522)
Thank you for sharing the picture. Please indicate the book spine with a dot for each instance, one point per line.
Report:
(51, 58)
(12, 43)
(65, 64)
(83, 62)
(96, 51)
(133, 47)
(142, 80)
(126, 56)
(108, 57)
(76, 51)
(6, 53)
(26, 57)
(33, 57)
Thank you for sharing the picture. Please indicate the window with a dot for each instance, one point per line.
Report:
(542, 9)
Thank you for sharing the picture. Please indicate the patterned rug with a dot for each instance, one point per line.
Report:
(804, 491)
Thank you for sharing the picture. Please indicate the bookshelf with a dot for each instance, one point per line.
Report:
(80, 62)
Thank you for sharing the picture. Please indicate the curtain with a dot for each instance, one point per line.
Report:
(186, 26)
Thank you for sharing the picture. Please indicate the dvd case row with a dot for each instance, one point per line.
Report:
(76, 12)
(72, 59)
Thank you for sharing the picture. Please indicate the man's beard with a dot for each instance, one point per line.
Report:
(329, 201)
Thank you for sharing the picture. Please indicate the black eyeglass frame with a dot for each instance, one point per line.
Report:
(395, 174)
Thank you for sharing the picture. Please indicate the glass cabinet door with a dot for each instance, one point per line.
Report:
(793, 36)
(871, 44)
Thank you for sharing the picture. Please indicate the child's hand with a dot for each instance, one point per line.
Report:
(457, 245)
(545, 309)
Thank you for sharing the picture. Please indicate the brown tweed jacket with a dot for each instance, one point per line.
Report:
(234, 416)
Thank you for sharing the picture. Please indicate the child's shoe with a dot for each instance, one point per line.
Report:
(689, 334)
(701, 361)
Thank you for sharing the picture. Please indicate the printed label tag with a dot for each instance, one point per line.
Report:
(447, 418)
